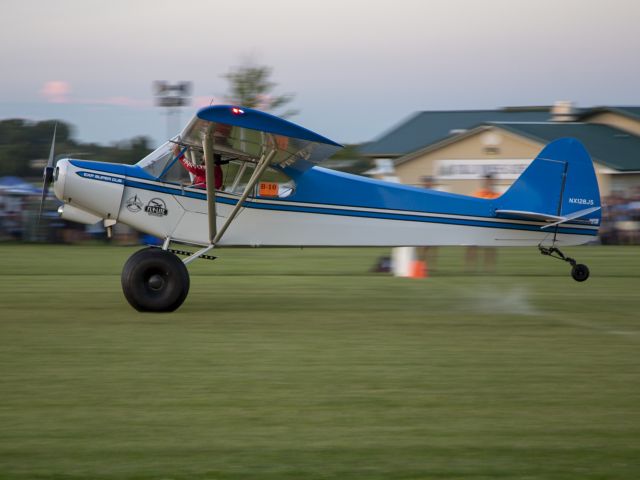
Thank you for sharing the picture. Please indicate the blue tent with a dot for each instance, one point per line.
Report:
(17, 186)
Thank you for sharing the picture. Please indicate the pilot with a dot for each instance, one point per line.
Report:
(199, 172)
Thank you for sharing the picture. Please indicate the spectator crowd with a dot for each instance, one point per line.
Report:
(621, 218)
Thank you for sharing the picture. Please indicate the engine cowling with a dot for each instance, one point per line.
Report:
(95, 192)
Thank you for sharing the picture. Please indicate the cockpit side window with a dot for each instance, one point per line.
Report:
(166, 166)
(175, 171)
(274, 183)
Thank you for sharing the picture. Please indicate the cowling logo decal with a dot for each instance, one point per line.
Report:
(156, 207)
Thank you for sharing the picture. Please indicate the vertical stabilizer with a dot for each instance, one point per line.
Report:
(559, 182)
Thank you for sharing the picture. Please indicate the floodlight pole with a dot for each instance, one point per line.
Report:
(172, 112)
(172, 97)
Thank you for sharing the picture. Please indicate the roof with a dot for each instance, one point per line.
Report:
(425, 128)
(632, 112)
(607, 145)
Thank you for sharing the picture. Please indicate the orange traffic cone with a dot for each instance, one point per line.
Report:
(419, 269)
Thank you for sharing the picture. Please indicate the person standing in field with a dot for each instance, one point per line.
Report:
(490, 254)
(429, 255)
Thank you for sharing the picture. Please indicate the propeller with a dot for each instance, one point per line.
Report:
(47, 175)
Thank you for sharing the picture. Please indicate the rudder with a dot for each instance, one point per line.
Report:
(560, 181)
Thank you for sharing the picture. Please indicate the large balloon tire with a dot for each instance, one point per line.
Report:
(154, 280)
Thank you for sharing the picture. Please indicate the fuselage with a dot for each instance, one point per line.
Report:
(326, 208)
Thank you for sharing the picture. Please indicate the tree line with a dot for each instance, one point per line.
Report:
(22, 141)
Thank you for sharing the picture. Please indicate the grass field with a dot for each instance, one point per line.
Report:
(300, 364)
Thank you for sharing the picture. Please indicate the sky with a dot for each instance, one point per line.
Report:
(356, 68)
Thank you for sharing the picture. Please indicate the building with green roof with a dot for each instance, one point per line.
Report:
(457, 149)
(426, 128)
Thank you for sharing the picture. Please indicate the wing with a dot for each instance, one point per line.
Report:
(247, 133)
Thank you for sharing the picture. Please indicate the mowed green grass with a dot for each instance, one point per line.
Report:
(300, 364)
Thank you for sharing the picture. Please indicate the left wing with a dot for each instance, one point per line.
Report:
(247, 133)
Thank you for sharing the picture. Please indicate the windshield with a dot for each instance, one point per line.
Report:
(155, 163)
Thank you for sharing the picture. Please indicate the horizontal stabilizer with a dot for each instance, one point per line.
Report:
(537, 216)
(546, 217)
(573, 216)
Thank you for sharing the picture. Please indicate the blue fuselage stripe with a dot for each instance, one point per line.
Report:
(353, 213)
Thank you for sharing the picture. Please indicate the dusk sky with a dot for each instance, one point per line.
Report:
(356, 67)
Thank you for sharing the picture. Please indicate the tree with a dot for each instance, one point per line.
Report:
(250, 86)
(22, 141)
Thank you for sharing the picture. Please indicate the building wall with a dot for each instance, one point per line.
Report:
(615, 120)
(626, 184)
(490, 145)
(493, 148)
(604, 176)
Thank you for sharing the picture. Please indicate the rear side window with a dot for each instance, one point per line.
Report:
(274, 182)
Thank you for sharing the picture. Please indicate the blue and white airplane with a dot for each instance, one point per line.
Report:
(273, 193)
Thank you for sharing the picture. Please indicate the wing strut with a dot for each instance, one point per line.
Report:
(260, 168)
(209, 163)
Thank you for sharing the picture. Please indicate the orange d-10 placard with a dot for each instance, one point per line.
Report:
(268, 189)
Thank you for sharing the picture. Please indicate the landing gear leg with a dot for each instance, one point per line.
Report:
(579, 271)
(155, 280)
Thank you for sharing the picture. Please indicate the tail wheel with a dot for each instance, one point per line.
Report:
(580, 272)
(155, 280)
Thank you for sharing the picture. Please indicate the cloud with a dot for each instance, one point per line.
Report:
(59, 91)
(56, 91)
(120, 101)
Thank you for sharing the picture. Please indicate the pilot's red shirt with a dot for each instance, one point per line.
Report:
(199, 173)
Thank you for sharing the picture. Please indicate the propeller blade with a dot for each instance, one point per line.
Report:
(53, 146)
(47, 175)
